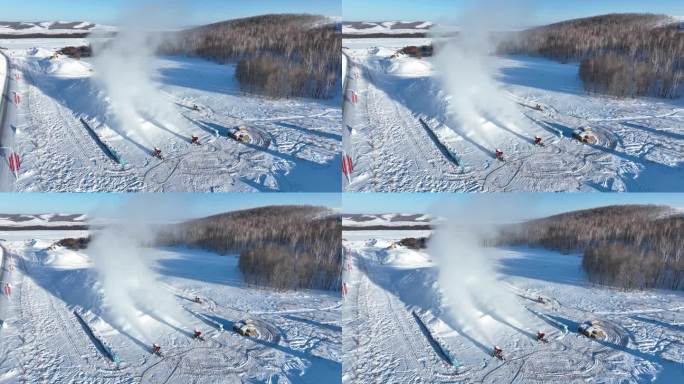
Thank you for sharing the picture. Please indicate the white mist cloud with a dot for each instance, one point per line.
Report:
(123, 264)
(466, 70)
(478, 301)
(124, 69)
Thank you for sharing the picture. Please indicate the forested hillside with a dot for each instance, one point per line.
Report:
(631, 246)
(280, 55)
(623, 55)
(280, 246)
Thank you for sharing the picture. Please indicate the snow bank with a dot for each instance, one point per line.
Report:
(344, 71)
(404, 257)
(66, 67)
(3, 84)
(63, 258)
(39, 53)
(410, 67)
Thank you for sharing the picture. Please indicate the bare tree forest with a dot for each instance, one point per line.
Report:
(285, 247)
(629, 246)
(284, 55)
(624, 55)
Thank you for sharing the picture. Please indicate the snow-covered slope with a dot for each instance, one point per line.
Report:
(396, 302)
(405, 133)
(385, 27)
(42, 220)
(65, 127)
(52, 28)
(386, 220)
(43, 340)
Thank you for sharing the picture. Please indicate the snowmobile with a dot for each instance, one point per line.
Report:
(197, 300)
(156, 349)
(194, 140)
(540, 300)
(538, 141)
(498, 352)
(538, 107)
(198, 335)
(499, 155)
(541, 336)
(157, 153)
(195, 107)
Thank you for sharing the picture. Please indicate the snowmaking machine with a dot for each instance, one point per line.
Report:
(541, 336)
(498, 352)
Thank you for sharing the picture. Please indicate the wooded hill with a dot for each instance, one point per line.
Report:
(630, 246)
(285, 247)
(624, 55)
(281, 55)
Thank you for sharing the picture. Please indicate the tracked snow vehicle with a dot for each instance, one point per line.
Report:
(585, 135)
(592, 329)
(245, 328)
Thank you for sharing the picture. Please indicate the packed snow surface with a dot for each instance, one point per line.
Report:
(393, 290)
(42, 340)
(639, 147)
(65, 128)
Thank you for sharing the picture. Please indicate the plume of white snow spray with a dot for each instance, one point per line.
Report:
(478, 301)
(129, 283)
(124, 68)
(466, 70)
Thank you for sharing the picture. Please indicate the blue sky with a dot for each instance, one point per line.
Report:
(527, 205)
(539, 11)
(173, 205)
(194, 12)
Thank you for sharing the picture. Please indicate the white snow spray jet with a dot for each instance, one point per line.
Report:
(124, 68)
(477, 300)
(466, 69)
(130, 286)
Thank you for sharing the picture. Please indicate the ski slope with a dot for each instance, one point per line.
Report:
(69, 140)
(384, 341)
(404, 137)
(44, 341)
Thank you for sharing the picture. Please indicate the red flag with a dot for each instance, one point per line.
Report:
(347, 165)
(14, 162)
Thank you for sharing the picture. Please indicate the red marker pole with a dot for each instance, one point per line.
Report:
(14, 163)
(347, 167)
(344, 289)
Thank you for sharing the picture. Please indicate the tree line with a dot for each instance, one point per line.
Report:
(624, 55)
(282, 55)
(629, 246)
(285, 247)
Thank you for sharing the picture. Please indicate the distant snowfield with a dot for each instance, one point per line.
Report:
(42, 340)
(294, 144)
(387, 283)
(52, 28)
(386, 27)
(640, 141)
